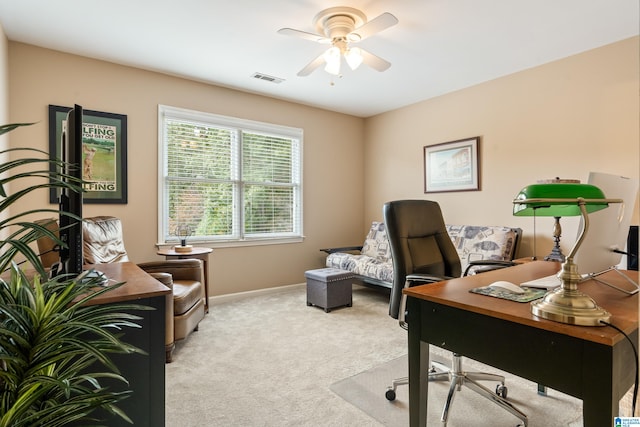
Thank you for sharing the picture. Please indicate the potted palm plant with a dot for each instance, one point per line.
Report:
(55, 349)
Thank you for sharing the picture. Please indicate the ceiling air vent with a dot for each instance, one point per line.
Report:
(267, 78)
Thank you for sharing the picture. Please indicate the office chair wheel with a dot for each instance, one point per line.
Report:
(390, 395)
(502, 390)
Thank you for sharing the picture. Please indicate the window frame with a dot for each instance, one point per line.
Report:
(240, 125)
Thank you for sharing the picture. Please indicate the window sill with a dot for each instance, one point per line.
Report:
(235, 243)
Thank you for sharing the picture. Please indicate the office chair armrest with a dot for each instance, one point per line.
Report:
(343, 249)
(414, 280)
(487, 265)
(419, 279)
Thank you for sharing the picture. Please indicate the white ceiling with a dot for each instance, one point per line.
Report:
(437, 47)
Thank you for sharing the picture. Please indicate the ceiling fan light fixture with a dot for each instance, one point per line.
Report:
(353, 57)
(332, 59)
(341, 26)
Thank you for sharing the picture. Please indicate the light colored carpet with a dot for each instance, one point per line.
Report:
(270, 360)
(366, 391)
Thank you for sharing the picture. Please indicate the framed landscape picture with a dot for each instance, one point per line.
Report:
(104, 153)
(452, 166)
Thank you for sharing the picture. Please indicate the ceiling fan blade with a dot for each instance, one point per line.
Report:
(312, 66)
(304, 35)
(374, 61)
(374, 26)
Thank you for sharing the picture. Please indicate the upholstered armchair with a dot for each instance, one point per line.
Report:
(103, 243)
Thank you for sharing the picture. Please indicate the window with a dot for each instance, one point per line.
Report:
(228, 180)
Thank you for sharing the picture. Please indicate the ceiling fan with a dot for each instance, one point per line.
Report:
(342, 27)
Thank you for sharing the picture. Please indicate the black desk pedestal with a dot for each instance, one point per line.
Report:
(145, 372)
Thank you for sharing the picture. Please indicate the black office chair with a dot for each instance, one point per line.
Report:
(422, 252)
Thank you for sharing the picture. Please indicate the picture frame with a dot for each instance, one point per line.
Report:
(452, 166)
(104, 153)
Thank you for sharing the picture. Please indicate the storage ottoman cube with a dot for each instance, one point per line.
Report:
(329, 288)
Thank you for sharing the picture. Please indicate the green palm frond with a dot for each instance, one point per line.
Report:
(50, 341)
(55, 346)
(8, 128)
(21, 173)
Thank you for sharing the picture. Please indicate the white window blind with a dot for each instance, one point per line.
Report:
(227, 179)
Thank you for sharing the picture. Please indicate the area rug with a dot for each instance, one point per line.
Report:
(366, 391)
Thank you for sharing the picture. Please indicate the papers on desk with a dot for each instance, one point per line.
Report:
(93, 276)
(547, 282)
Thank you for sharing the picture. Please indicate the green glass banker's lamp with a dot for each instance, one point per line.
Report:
(565, 304)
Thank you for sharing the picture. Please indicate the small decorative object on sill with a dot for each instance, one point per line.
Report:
(183, 231)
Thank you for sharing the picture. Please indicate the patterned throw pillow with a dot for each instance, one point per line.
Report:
(482, 243)
(376, 244)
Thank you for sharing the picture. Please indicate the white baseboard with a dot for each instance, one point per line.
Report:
(221, 299)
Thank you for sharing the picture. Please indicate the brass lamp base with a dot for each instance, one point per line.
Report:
(570, 306)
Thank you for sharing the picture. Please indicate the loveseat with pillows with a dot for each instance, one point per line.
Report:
(372, 265)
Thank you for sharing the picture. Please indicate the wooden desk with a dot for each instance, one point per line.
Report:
(594, 364)
(139, 283)
(197, 253)
(145, 373)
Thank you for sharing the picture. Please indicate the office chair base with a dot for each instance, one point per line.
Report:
(434, 375)
(499, 397)
(459, 378)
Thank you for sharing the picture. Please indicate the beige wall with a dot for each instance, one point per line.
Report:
(333, 184)
(565, 119)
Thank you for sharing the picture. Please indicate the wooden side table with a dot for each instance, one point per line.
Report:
(198, 253)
